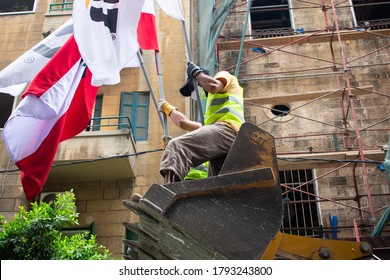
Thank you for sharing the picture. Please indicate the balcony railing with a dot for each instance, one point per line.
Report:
(121, 122)
(61, 7)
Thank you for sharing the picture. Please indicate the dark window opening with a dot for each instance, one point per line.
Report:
(372, 14)
(300, 209)
(95, 122)
(13, 6)
(280, 110)
(6, 104)
(270, 18)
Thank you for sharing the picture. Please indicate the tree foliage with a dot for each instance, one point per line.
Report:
(36, 234)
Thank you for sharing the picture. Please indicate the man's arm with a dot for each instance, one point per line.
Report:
(209, 83)
(177, 117)
(183, 122)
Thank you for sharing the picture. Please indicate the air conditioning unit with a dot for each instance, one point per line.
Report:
(49, 197)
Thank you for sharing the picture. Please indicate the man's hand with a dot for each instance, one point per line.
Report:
(193, 69)
(165, 107)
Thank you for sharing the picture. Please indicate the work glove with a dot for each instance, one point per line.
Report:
(193, 69)
(165, 140)
(165, 107)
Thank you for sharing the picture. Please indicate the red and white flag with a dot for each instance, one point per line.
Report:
(14, 77)
(146, 31)
(106, 33)
(172, 8)
(56, 106)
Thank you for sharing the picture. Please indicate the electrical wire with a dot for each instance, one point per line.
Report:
(295, 159)
(93, 160)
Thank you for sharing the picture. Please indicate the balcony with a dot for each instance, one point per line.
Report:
(105, 151)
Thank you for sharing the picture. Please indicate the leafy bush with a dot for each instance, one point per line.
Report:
(36, 234)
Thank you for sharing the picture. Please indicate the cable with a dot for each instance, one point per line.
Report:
(92, 160)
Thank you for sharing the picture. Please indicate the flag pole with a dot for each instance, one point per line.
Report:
(161, 90)
(141, 62)
(190, 58)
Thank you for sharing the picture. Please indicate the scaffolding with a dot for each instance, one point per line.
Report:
(353, 155)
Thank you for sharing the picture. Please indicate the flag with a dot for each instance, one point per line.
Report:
(56, 106)
(106, 34)
(172, 8)
(16, 75)
(146, 32)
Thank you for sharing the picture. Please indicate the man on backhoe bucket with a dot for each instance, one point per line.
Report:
(211, 142)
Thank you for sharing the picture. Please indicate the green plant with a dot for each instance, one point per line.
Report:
(36, 235)
(79, 247)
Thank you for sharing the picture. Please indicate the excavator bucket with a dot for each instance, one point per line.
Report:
(230, 216)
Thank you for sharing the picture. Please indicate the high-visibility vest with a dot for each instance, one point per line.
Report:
(225, 107)
(198, 172)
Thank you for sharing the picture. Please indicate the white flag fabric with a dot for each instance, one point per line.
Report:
(172, 8)
(56, 106)
(14, 90)
(106, 34)
(16, 75)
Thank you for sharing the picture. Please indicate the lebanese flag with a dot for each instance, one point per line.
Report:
(146, 32)
(56, 106)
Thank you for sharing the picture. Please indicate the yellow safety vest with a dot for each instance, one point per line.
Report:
(225, 107)
(198, 172)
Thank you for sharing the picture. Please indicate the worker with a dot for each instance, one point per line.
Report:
(212, 141)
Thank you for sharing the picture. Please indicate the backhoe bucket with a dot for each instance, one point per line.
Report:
(230, 216)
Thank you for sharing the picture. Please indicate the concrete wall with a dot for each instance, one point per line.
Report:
(273, 75)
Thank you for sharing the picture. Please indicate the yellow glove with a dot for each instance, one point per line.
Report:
(165, 107)
(165, 140)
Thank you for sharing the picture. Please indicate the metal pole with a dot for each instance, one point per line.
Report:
(161, 90)
(353, 113)
(190, 58)
(141, 62)
(248, 10)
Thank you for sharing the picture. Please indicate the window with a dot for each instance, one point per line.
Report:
(271, 18)
(300, 209)
(20, 6)
(135, 107)
(372, 14)
(95, 121)
(6, 105)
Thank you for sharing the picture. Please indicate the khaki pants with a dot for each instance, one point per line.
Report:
(208, 143)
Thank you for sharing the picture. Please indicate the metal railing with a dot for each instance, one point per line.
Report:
(121, 122)
(60, 7)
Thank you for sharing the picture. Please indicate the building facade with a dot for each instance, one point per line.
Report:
(315, 76)
(111, 160)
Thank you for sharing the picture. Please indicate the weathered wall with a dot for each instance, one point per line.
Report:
(289, 71)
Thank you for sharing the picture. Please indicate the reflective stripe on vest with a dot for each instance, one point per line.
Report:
(225, 107)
